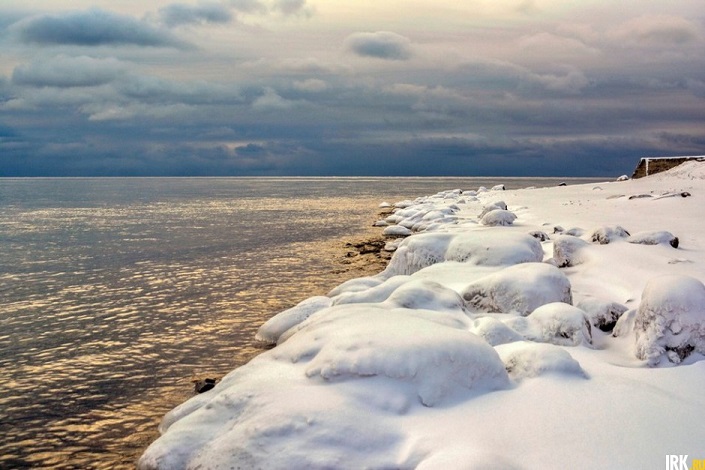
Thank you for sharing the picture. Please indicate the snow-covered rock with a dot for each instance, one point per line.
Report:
(518, 289)
(431, 351)
(670, 320)
(602, 314)
(608, 234)
(557, 323)
(500, 248)
(397, 231)
(568, 250)
(654, 238)
(273, 328)
(494, 331)
(498, 217)
(526, 359)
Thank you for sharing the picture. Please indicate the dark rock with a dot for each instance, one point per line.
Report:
(539, 235)
(562, 184)
(204, 385)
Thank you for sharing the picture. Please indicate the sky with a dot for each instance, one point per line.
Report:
(327, 87)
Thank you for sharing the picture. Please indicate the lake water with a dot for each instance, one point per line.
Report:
(117, 293)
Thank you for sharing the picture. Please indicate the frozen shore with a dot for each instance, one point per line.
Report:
(529, 329)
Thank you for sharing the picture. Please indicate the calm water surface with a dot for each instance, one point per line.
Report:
(116, 293)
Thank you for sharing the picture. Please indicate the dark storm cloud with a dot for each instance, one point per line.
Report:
(93, 28)
(63, 71)
(381, 45)
(179, 14)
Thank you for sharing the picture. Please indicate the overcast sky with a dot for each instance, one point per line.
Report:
(358, 87)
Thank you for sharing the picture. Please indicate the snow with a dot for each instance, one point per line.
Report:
(483, 346)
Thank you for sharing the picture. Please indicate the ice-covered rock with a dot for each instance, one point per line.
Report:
(670, 320)
(654, 238)
(608, 234)
(539, 235)
(518, 289)
(602, 314)
(623, 178)
(498, 187)
(568, 250)
(525, 359)
(557, 323)
(273, 328)
(498, 217)
(384, 205)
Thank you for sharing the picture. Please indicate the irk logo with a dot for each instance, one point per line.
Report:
(676, 462)
(680, 462)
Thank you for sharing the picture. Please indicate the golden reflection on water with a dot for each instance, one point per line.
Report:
(95, 352)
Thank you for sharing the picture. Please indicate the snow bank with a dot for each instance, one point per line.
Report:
(467, 351)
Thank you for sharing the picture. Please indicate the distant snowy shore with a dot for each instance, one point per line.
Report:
(541, 328)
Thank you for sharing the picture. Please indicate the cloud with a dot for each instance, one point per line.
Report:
(66, 72)
(248, 6)
(179, 14)
(271, 100)
(311, 85)
(291, 7)
(93, 27)
(658, 30)
(381, 45)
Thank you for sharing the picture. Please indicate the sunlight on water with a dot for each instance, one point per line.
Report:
(115, 294)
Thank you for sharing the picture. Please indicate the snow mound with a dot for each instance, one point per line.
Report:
(557, 323)
(492, 207)
(602, 314)
(494, 331)
(654, 238)
(424, 294)
(258, 423)
(568, 251)
(608, 234)
(378, 293)
(273, 328)
(518, 289)
(432, 351)
(396, 231)
(501, 248)
(356, 285)
(526, 360)
(670, 320)
(498, 217)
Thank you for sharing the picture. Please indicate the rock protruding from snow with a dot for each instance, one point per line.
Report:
(568, 251)
(518, 289)
(654, 238)
(608, 234)
(670, 320)
(273, 328)
(498, 217)
(602, 314)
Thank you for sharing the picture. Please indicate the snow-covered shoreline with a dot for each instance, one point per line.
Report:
(482, 344)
